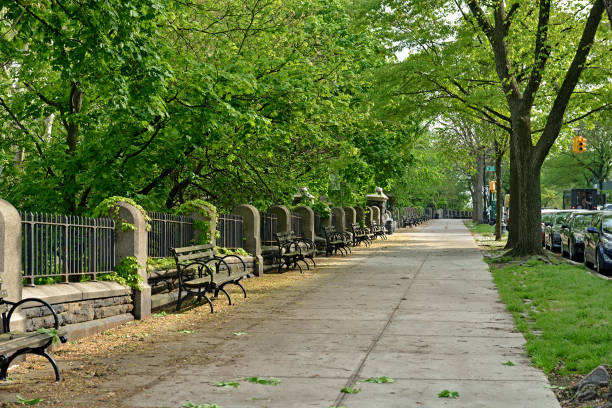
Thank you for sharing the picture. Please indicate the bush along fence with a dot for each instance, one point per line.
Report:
(100, 272)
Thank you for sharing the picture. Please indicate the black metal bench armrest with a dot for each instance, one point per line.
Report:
(201, 266)
(15, 306)
(237, 257)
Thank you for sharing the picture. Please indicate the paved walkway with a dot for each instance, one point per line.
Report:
(421, 309)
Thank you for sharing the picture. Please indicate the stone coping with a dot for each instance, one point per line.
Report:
(75, 291)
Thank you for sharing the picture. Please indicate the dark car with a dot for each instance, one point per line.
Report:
(547, 217)
(598, 242)
(572, 233)
(553, 228)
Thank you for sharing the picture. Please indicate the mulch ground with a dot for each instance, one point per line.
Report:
(107, 368)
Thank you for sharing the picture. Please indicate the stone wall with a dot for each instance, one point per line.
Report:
(77, 303)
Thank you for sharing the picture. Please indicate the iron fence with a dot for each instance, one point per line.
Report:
(60, 248)
(230, 231)
(268, 227)
(296, 224)
(168, 231)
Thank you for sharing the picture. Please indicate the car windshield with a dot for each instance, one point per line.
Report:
(560, 218)
(582, 220)
(607, 224)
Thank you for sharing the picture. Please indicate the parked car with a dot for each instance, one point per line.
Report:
(552, 236)
(547, 217)
(572, 233)
(598, 242)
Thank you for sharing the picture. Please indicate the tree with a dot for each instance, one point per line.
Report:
(537, 54)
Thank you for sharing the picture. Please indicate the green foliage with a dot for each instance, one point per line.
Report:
(126, 273)
(160, 264)
(160, 314)
(350, 390)
(509, 363)
(52, 332)
(231, 251)
(239, 333)
(264, 381)
(108, 207)
(379, 380)
(322, 209)
(448, 394)
(205, 210)
(185, 331)
(227, 384)
(23, 401)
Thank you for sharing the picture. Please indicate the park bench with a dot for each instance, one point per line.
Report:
(336, 241)
(379, 230)
(360, 234)
(201, 271)
(291, 250)
(15, 344)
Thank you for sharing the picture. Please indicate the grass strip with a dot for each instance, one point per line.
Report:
(564, 312)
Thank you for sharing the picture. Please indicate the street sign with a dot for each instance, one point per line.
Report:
(490, 168)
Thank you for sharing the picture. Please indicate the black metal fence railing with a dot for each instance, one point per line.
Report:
(58, 248)
(168, 231)
(296, 225)
(268, 227)
(318, 226)
(230, 231)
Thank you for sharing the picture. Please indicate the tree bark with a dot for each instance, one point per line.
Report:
(477, 194)
(499, 154)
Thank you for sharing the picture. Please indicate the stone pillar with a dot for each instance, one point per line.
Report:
(10, 251)
(327, 222)
(251, 224)
(359, 214)
(207, 215)
(133, 242)
(284, 217)
(375, 211)
(338, 214)
(308, 228)
(351, 216)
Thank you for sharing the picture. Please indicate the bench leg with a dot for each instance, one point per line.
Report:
(220, 289)
(53, 363)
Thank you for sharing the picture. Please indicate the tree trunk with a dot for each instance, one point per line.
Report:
(477, 195)
(499, 154)
(513, 211)
(528, 171)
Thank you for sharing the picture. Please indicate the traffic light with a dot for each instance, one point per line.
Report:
(579, 144)
(492, 186)
(575, 144)
(582, 144)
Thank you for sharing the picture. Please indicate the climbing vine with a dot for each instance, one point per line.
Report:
(109, 207)
(209, 214)
(126, 273)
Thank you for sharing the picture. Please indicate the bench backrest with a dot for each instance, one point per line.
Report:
(190, 253)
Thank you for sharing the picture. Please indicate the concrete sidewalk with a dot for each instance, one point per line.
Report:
(421, 309)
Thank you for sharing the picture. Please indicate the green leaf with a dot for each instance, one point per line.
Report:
(160, 314)
(240, 333)
(509, 363)
(185, 331)
(23, 401)
(379, 380)
(192, 405)
(227, 384)
(270, 381)
(52, 332)
(350, 390)
(448, 394)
